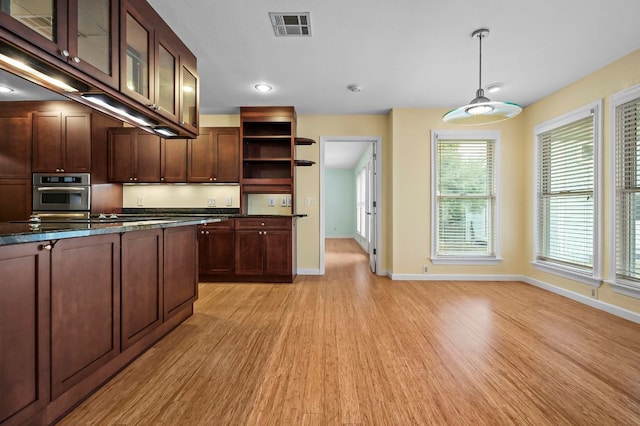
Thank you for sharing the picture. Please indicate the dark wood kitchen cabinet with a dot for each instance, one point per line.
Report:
(85, 308)
(180, 269)
(62, 142)
(134, 156)
(80, 33)
(24, 331)
(214, 156)
(216, 251)
(268, 148)
(15, 144)
(157, 69)
(265, 248)
(141, 284)
(173, 160)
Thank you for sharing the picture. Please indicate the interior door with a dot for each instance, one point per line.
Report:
(371, 210)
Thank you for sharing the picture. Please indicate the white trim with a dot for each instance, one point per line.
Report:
(616, 99)
(554, 123)
(455, 277)
(309, 272)
(594, 303)
(466, 260)
(568, 273)
(379, 206)
(470, 135)
(624, 289)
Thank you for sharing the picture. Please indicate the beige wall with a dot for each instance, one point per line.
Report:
(411, 189)
(617, 76)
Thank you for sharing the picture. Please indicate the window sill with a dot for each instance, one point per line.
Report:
(625, 289)
(471, 260)
(568, 273)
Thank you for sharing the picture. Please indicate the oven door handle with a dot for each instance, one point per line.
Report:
(62, 188)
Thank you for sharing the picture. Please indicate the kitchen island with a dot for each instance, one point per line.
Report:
(79, 300)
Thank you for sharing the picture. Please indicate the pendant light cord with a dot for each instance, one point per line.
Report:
(480, 37)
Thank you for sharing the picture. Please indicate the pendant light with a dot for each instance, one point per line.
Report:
(481, 110)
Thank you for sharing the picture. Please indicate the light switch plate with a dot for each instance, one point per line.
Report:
(272, 202)
(229, 201)
(211, 201)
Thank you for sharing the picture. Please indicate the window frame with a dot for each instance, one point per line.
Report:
(593, 278)
(361, 203)
(620, 286)
(466, 135)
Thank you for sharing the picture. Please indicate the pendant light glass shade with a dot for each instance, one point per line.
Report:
(481, 110)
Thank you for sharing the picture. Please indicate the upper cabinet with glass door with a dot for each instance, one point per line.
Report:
(157, 69)
(82, 33)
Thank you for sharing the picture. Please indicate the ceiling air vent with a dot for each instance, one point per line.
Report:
(291, 24)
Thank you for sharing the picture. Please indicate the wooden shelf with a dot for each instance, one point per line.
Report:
(304, 141)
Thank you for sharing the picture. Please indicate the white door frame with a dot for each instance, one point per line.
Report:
(378, 167)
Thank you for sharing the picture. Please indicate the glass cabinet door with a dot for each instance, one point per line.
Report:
(93, 38)
(189, 105)
(167, 77)
(136, 80)
(35, 20)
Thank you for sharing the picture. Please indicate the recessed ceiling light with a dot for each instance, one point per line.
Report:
(495, 87)
(263, 87)
(355, 88)
(5, 89)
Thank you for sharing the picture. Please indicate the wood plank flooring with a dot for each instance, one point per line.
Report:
(350, 348)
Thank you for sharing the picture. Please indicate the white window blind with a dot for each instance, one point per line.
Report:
(627, 135)
(565, 195)
(466, 198)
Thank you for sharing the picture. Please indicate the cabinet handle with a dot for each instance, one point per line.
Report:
(264, 233)
(47, 247)
(262, 223)
(76, 59)
(130, 178)
(210, 178)
(65, 53)
(162, 179)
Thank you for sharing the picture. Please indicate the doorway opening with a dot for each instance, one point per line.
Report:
(359, 157)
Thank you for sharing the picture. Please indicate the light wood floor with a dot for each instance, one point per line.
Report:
(350, 348)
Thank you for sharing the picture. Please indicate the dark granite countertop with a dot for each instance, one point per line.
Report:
(24, 232)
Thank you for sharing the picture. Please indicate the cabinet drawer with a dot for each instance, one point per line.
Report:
(260, 223)
(225, 224)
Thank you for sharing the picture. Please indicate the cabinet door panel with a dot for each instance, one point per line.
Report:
(249, 252)
(277, 253)
(201, 158)
(77, 142)
(174, 160)
(227, 143)
(19, 194)
(47, 142)
(24, 331)
(217, 251)
(136, 54)
(141, 286)
(180, 268)
(15, 145)
(148, 157)
(121, 167)
(85, 300)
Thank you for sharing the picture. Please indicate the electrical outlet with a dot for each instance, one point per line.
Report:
(594, 293)
(140, 201)
(288, 201)
(425, 270)
(272, 202)
(309, 201)
(229, 201)
(283, 202)
(211, 201)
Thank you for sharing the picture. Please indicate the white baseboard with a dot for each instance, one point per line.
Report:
(309, 272)
(598, 304)
(455, 277)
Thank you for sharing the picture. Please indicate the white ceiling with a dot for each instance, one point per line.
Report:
(343, 154)
(405, 53)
